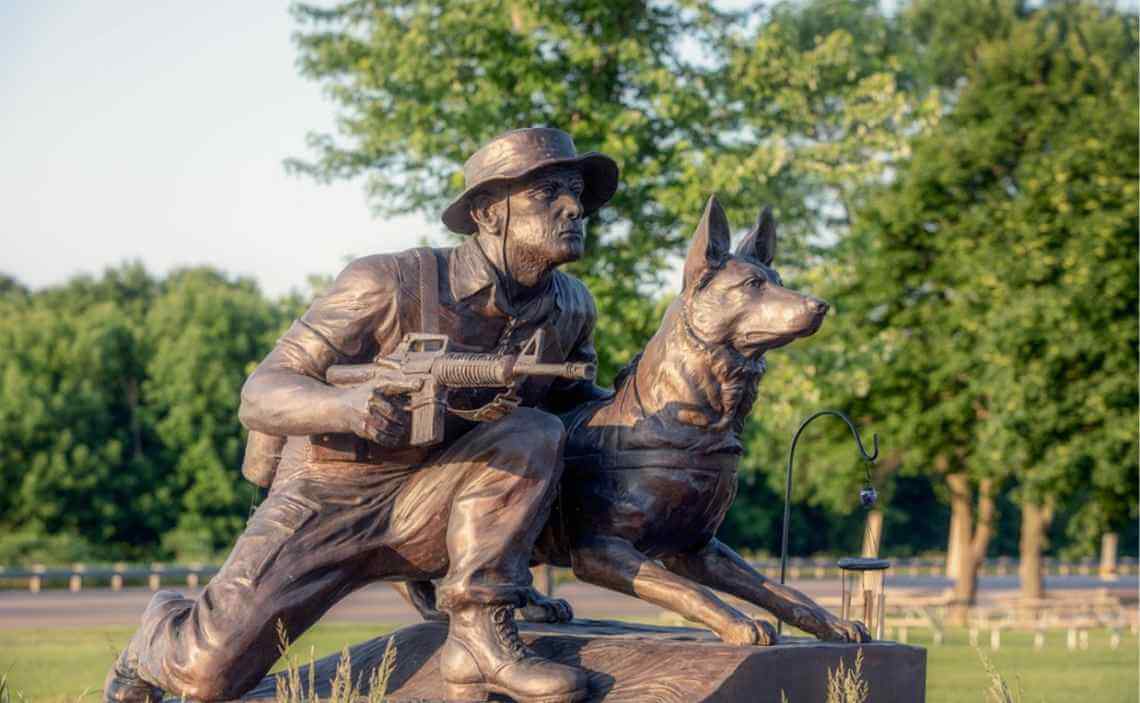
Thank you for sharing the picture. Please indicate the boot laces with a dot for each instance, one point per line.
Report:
(508, 632)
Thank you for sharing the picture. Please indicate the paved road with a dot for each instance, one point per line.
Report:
(379, 603)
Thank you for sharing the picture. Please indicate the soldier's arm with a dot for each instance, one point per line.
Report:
(566, 395)
(287, 393)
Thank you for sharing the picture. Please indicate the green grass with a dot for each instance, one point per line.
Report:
(59, 665)
(53, 666)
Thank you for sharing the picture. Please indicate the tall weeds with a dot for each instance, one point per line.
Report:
(999, 691)
(846, 685)
(343, 687)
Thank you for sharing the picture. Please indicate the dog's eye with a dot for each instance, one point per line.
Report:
(757, 282)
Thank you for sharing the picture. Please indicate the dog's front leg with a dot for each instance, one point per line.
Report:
(717, 566)
(616, 564)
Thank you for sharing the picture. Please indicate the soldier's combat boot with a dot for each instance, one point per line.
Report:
(484, 655)
(123, 684)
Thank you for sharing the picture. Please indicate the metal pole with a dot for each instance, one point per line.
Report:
(788, 483)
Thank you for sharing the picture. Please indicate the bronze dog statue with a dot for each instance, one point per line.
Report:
(651, 472)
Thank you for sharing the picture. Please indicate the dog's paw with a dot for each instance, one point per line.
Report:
(740, 632)
(767, 633)
(547, 610)
(848, 631)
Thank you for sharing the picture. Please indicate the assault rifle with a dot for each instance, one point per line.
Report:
(424, 367)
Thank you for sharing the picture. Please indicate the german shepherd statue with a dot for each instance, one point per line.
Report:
(651, 472)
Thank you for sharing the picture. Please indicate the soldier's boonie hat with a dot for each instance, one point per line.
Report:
(518, 153)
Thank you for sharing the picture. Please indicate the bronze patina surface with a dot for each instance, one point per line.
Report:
(651, 472)
(353, 500)
(637, 663)
(454, 514)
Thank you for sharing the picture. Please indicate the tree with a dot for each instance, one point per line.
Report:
(679, 94)
(997, 279)
(796, 106)
(118, 413)
(71, 443)
(204, 334)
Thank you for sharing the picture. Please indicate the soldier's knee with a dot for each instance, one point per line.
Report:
(544, 430)
(531, 441)
(214, 676)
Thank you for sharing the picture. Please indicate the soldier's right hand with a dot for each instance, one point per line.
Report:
(377, 416)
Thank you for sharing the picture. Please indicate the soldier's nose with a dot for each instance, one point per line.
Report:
(571, 206)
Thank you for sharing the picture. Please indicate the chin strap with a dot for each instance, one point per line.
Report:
(508, 279)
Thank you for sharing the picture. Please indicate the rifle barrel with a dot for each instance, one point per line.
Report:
(577, 371)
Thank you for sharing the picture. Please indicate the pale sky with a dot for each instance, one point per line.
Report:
(156, 131)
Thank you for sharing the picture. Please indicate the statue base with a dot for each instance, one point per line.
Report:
(630, 663)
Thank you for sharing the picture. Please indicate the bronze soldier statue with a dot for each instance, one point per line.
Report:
(354, 501)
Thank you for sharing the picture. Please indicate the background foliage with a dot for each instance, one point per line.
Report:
(959, 179)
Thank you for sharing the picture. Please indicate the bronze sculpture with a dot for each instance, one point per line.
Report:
(353, 499)
(650, 472)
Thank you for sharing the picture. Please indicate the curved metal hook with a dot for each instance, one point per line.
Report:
(870, 459)
(854, 433)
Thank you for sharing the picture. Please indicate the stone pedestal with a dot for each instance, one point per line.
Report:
(641, 663)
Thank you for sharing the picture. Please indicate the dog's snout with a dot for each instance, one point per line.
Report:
(818, 307)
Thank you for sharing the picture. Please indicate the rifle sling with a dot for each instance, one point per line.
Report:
(429, 291)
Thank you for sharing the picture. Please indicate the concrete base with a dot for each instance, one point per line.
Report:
(637, 663)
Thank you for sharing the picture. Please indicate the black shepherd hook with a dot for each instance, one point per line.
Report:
(870, 458)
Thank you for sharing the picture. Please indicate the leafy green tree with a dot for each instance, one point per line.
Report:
(118, 397)
(686, 98)
(994, 285)
(797, 105)
(72, 452)
(204, 334)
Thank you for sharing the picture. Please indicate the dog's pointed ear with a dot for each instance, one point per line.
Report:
(711, 242)
(760, 243)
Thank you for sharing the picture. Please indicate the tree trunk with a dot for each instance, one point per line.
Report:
(970, 564)
(958, 553)
(968, 543)
(961, 523)
(1035, 519)
(1109, 544)
(873, 534)
(952, 545)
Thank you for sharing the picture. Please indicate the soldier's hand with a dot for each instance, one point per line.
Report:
(379, 417)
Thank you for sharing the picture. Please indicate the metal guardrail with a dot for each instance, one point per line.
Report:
(115, 576)
(820, 568)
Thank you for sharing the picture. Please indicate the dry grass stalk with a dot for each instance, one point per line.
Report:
(999, 691)
(7, 695)
(846, 685)
(342, 687)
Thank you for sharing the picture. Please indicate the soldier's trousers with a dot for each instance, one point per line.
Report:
(470, 514)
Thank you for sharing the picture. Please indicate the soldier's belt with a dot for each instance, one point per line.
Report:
(350, 448)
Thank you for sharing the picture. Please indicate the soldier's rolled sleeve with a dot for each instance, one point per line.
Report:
(349, 322)
(287, 393)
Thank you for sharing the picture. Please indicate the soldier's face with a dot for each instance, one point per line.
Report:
(546, 225)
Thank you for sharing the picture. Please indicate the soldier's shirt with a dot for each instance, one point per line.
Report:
(374, 302)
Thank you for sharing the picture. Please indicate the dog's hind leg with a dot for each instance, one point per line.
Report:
(717, 566)
(616, 564)
(421, 596)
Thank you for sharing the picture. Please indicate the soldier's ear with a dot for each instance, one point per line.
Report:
(486, 212)
(760, 243)
(709, 249)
